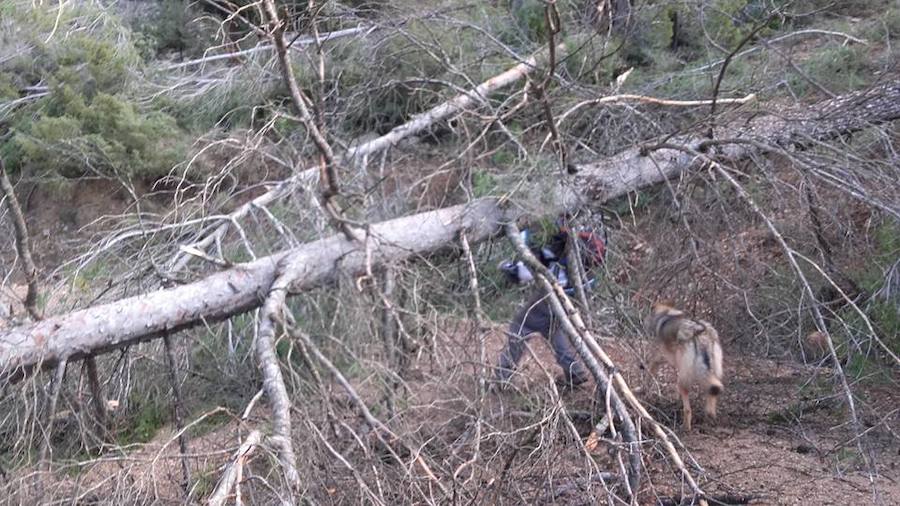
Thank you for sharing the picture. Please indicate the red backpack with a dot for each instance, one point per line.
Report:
(593, 248)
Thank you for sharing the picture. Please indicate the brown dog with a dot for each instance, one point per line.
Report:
(692, 348)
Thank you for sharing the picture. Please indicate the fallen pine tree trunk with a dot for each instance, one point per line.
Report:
(358, 154)
(244, 287)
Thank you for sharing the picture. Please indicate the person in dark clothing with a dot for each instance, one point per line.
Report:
(536, 316)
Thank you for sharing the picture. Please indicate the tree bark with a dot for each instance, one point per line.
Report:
(244, 287)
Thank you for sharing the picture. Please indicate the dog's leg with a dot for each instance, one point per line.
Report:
(656, 361)
(684, 392)
(711, 400)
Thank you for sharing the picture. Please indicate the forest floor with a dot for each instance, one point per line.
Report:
(782, 436)
(779, 438)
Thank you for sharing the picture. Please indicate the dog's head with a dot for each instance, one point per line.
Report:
(664, 307)
(660, 312)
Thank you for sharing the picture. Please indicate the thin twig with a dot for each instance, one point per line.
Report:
(177, 411)
(266, 47)
(374, 423)
(58, 378)
(23, 247)
(715, 93)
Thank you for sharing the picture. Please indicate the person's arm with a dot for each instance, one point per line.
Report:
(517, 272)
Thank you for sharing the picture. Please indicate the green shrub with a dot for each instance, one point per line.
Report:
(148, 416)
(530, 18)
(95, 65)
(483, 184)
(417, 59)
(883, 26)
(106, 134)
(725, 22)
(88, 123)
(8, 90)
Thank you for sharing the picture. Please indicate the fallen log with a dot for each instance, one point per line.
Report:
(242, 288)
(233, 291)
(358, 154)
(792, 128)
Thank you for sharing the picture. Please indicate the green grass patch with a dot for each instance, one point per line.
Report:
(837, 68)
(148, 416)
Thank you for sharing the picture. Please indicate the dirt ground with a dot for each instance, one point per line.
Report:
(781, 437)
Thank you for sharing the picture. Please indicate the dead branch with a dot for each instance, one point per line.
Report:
(177, 410)
(625, 97)
(23, 248)
(273, 381)
(473, 279)
(329, 177)
(715, 94)
(768, 43)
(552, 20)
(579, 339)
(229, 479)
(378, 428)
(453, 106)
(98, 400)
(50, 406)
(295, 43)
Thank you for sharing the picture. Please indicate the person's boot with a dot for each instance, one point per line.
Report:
(570, 380)
(500, 381)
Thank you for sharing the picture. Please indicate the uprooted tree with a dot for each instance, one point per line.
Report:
(360, 242)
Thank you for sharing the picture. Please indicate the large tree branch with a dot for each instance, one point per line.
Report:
(244, 287)
(826, 120)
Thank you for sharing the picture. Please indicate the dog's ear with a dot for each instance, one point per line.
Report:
(662, 307)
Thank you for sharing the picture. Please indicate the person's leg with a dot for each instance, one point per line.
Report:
(512, 354)
(574, 372)
(530, 319)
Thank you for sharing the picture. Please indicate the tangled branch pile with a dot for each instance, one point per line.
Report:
(256, 245)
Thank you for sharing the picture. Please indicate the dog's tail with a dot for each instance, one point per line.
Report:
(715, 386)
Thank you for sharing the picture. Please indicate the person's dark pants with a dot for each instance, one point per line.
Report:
(537, 317)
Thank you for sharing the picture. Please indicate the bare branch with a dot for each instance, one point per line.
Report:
(23, 247)
(229, 479)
